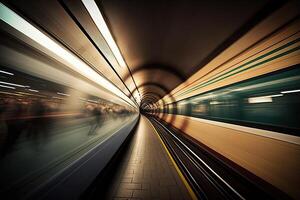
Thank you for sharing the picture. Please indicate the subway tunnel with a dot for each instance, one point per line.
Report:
(149, 99)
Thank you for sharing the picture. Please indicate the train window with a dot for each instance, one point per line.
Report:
(270, 101)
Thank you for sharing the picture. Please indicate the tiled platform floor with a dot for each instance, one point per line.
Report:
(146, 172)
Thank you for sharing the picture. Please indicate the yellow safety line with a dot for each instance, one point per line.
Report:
(188, 187)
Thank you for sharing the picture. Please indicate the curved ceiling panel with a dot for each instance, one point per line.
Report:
(167, 41)
(167, 79)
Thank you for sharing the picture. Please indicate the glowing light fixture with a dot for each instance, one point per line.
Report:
(12, 84)
(276, 95)
(63, 94)
(31, 90)
(9, 93)
(263, 99)
(5, 72)
(98, 19)
(17, 22)
(137, 96)
(260, 100)
(290, 91)
(58, 98)
(215, 102)
(9, 87)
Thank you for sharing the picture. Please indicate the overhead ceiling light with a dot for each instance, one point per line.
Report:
(263, 99)
(25, 93)
(9, 87)
(9, 93)
(98, 19)
(33, 90)
(260, 100)
(136, 96)
(58, 98)
(290, 91)
(76, 64)
(63, 94)
(214, 102)
(5, 72)
(276, 95)
(13, 84)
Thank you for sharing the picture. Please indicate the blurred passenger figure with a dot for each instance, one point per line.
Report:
(97, 121)
(14, 124)
(37, 125)
(3, 127)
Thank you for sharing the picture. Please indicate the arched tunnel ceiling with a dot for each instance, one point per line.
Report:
(164, 42)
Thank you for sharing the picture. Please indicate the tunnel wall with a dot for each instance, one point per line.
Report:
(275, 161)
(269, 47)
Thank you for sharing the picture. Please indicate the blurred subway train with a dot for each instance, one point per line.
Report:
(270, 102)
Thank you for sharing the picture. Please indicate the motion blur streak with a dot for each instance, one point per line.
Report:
(24, 27)
(44, 132)
(99, 21)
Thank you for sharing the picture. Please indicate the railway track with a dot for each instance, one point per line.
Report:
(209, 176)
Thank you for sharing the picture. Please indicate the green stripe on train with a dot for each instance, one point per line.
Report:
(250, 67)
